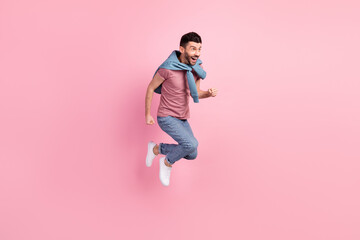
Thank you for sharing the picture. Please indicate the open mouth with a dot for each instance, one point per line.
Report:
(194, 58)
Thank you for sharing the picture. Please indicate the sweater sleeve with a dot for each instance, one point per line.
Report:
(196, 77)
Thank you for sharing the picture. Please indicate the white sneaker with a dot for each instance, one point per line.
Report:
(150, 154)
(164, 172)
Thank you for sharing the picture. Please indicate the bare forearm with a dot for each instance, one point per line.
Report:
(203, 94)
(148, 99)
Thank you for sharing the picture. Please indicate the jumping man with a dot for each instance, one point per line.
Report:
(176, 79)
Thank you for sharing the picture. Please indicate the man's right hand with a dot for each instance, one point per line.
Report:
(149, 120)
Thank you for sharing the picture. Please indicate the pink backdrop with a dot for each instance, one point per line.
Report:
(278, 147)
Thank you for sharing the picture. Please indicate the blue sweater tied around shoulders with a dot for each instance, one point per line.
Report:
(173, 63)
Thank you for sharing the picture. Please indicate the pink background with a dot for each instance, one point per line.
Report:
(278, 147)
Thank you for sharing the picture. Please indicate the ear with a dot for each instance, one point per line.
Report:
(181, 49)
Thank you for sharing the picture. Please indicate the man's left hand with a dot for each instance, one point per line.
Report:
(212, 92)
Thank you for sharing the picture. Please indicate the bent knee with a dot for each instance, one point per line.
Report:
(192, 155)
(190, 145)
(193, 145)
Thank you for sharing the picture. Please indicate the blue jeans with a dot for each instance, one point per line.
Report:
(181, 132)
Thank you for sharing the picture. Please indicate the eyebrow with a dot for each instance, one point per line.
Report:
(195, 47)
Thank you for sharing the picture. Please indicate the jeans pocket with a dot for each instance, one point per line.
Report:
(163, 118)
(164, 121)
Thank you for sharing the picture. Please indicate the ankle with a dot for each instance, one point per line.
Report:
(156, 149)
(166, 163)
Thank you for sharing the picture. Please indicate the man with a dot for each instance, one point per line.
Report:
(177, 78)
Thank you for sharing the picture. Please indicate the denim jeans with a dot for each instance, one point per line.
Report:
(181, 132)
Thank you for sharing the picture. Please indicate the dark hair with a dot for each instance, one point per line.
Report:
(190, 37)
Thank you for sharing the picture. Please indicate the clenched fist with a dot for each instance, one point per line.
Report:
(149, 120)
(212, 92)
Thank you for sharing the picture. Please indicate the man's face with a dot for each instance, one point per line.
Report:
(191, 52)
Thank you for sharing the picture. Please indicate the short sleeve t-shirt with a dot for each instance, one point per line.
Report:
(175, 92)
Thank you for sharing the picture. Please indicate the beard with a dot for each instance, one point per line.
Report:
(188, 57)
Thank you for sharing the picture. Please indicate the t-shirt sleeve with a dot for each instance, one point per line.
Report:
(163, 73)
